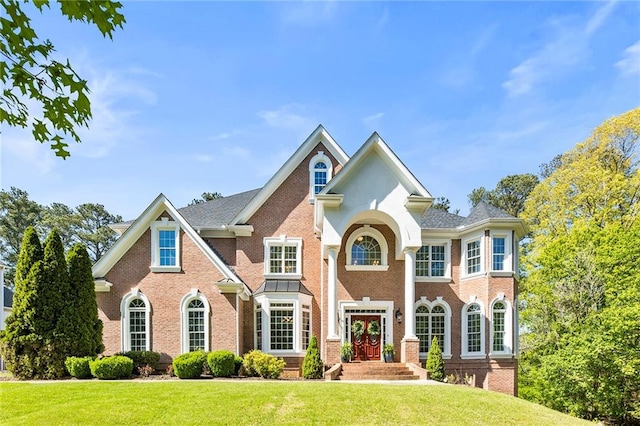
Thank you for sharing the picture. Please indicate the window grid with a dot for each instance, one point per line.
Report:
(473, 257)
(498, 253)
(319, 177)
(281, 326)
(137, 325)
(167, 245)
(437, 326)
(498, 323)
(422, 327)
(366, 251)
(473, 328)
(259, 327)
(306, 327)
(283, 259)
(196, 319)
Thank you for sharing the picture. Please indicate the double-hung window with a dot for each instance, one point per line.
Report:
(195, 313)
(501, 328)
(501, 252)
(432, 261)
(473, 331)
(282, 322)
(165, 246)
(473, 255)
(320, 172)
(283, 257)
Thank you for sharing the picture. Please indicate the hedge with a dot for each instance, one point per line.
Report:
(142, 358)
(78, 367)
(112, 367)
(257, 363)
(221, 363)
(189, 365)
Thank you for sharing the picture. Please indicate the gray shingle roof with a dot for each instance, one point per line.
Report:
(440, 219)
(8, 298)
(283, 286)
(218, 212)
(483, 211)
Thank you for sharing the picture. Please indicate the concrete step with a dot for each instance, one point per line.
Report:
(373, 370)
(380, 377)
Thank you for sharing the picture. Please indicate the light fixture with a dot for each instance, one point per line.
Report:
(399, 316)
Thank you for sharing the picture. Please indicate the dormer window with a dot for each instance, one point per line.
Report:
(165, 246)
(320, 172)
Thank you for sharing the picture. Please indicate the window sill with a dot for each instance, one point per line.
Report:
(367, 267)
(282, 276)
(501, 355)
(473, 356)
(433, 279)
(501, 274)
(166, 269)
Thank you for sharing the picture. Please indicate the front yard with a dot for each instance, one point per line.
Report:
(261, 402)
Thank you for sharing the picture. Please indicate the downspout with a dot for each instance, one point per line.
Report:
(322, 314)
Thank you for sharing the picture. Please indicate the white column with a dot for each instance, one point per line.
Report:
(332, 292)
(409, 292)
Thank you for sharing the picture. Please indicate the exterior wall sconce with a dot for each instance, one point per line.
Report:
(399, 316)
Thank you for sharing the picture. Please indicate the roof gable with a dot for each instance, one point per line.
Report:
(140, 226)
(319, 135)
(376, 146)
(482, 212)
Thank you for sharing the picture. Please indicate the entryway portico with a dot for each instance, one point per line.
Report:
(373, 192)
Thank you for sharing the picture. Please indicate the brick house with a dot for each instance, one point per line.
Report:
(328, 242)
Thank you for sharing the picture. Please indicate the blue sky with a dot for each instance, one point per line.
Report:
(215, 96)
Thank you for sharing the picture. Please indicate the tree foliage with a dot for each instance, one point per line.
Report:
(443, 203)
(312, 366)
(38, 91)
(206, 196)
(54, 312)
(435, 363)
(582, 287)
(510, 194)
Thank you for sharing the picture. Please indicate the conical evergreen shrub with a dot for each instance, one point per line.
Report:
(435, 363)
(312, 366)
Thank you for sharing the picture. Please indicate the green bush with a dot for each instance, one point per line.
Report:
(435, 363)
(112, 367)
(142, 358)
(221, 363)
(78, 367)
(189, 365)
(312, 366)
(237, 361)
(257, 363)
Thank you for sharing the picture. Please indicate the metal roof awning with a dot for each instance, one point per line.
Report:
(283, 286)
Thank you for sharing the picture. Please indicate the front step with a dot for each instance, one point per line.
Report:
(374, 370)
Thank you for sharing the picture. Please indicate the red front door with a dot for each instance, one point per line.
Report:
(367, 347)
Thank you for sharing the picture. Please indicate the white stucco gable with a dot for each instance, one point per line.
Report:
(373, 187)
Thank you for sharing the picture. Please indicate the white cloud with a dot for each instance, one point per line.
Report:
(287, 117)
(372, 119)
(630, 63)
(599, 18)
(204, 158)
(309, 13)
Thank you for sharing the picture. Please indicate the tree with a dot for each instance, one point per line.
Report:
(581, 290)
(92, 228)
(63, 219)
(17, 213)
(435, 363)
(510, 193)
(86, 327)
(312, 366)
(206, 196)
(443, 203)
(32, 80)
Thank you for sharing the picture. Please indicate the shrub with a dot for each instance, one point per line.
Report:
(257, 363)
(78, 367)
(237, 361)
(189, 365)
(435, 363)
(221, 363)
(112, 367)
(145, 370)
(312, 366)
(142, 358)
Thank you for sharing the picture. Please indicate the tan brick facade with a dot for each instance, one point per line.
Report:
(288, 212)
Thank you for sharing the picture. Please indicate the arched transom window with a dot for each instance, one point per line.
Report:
(367, 250)
(195, 314)
(320, 172)
(137, 325)
(319, 176)
(430, 324)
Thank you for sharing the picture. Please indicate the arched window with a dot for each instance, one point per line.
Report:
(367, 250)
(501, 328)
(195, 322)
(473, 331)
(135, 311)
(320, 172)
(430, 323)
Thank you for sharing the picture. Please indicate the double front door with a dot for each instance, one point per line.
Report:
(367, 345)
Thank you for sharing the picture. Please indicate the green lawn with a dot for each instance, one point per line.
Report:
(261, 402)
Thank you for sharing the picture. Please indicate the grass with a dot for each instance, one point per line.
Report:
(248, 402)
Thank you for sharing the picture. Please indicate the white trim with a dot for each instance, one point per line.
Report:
(439, 301)
(125, 340)
(464, 354)
(297, 300)
(464, 251)
(508, 261)
(164, 225)
(282, 241)
(367, 230)
(508, 328)
(320, 157)
(367, 303)
(319, 135)
(194, 294)
(447, 262)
